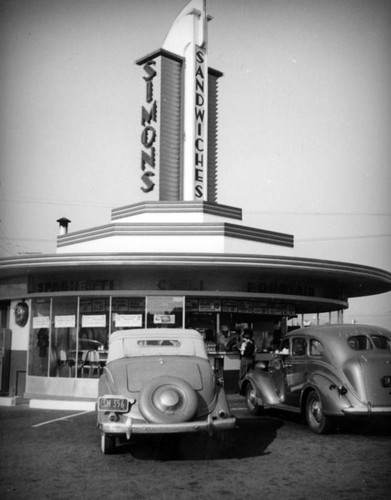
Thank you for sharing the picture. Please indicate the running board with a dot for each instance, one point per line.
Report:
(285, 407)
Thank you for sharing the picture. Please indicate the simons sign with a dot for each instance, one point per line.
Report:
(149, 133)
(178, 160)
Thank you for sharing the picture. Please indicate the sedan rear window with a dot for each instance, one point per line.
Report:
(316, 347)
(359, 343)
(381, 342)
(154, 343)
(298, 346)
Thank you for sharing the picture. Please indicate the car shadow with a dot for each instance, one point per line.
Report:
(250, 438)
(375, 426)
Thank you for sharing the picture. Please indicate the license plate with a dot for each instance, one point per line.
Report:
(108, 403)
(387, 381)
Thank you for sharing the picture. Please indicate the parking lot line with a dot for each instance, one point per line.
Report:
(62, 418)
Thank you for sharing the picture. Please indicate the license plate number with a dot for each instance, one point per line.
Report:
(113, 404)
(387, 381)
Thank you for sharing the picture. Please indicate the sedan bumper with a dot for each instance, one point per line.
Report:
(369, 411)
(130, 426)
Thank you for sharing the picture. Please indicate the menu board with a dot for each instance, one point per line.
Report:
(246, 307)
(128, 320)
(230, 306)
(164, 319)
(275, 309)
(260, 308)
(191, 305)
(68, 321)
(210, 305)
(93, 320)
(41, 322)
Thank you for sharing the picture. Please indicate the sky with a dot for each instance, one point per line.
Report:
(304, 120)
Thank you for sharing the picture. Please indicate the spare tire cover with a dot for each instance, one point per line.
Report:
(168, 400)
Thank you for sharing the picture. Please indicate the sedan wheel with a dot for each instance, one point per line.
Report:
(316, 419)
(107, 444)
(251, 402)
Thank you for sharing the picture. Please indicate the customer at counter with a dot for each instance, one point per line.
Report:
(247, 351)
(226, 342)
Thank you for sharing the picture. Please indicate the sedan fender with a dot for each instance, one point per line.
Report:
(265, 387)
(333, 394)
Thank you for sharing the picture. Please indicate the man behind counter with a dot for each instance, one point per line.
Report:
(226, 341)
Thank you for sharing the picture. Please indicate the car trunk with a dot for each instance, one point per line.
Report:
(376, 370)
(141, 370)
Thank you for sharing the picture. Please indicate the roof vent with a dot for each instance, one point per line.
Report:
(63, 223)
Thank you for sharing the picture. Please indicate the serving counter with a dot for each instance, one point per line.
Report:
(227, 364)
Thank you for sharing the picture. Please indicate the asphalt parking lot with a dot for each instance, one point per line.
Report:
(56, 455)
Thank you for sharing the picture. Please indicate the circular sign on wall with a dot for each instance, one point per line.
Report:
(21, 313)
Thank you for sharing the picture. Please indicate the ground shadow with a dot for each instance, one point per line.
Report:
(250, 438)
(374, 426)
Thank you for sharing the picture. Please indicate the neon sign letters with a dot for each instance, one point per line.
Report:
(148, 135)
(200, 124)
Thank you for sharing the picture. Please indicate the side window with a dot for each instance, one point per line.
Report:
(381, 342)
(298, 346)
(316, 347)
(359, 343)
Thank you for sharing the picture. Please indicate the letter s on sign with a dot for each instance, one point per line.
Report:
(200, 56)
(151, 72)
(198, 191)
(148, 182)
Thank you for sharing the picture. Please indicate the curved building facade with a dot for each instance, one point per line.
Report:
(177, 259)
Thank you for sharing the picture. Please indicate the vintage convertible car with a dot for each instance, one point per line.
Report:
(325, 372)
(159, 381)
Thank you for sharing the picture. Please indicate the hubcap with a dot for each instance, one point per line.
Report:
(168, 400)
(251, 397)
(316, 411)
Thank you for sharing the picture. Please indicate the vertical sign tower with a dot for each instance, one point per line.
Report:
(179, 116)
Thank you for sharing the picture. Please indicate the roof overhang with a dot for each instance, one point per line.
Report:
(356, 280)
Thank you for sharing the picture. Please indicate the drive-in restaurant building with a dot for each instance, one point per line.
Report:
(178, 258)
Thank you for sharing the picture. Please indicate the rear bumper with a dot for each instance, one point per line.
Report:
(130, 426)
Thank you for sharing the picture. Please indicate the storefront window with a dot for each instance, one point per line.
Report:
(93, 336)
(127, 312)
(39, 348)
(165, 312)
(205, 323)
(64, 336)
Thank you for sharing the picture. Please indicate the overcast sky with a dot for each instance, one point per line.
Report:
(304, 120)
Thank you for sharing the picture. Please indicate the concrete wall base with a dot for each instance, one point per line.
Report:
(53, 404)
(8, 401)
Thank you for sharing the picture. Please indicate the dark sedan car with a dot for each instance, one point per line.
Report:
(159, 381)
(325, 372)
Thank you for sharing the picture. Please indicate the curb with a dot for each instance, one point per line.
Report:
(8, 401)
(52, 404)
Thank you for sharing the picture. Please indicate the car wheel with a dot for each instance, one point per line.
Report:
(316, 419)
(168, 400)
(251, 401)
(107, 444)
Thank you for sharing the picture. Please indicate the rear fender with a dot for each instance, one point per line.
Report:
(332, 399)
(265, 387)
